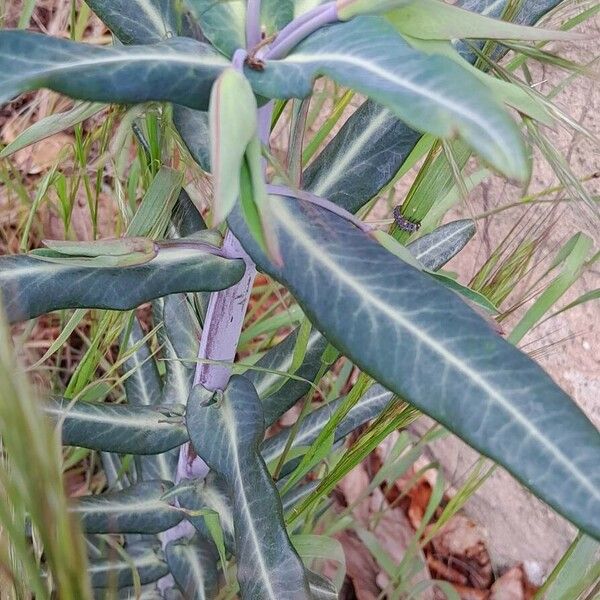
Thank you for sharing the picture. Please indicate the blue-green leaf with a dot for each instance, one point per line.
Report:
(437, 248)
(222, 22)
(179, 338)
(278, 398)
(143, 557)
(362, 158)
(193, 128)
(118, 427)
(232, 125)
(31, 287)
(138, 21)
(179, 70)
(226, 429)
(208, 494)
(141, 508)
(369, 143)
(142, 385)
(430, 93)
(424, 343)
(143, 388)
(366, 409)
(193, 564)
(276, 14)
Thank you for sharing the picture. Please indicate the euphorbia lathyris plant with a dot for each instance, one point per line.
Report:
(222, 65)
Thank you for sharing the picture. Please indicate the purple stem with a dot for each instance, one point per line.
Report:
(300, 21)
(253, 28)
(300, 29)
(238, 58)
(282, 190)
(223, 324)
(220, 335)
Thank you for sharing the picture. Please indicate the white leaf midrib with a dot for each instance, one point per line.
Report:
(145, 55)
(240, 488)
(296, 229)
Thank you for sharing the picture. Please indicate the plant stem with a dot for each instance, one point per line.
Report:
(300, 29)
(253, 29)
(223, 324)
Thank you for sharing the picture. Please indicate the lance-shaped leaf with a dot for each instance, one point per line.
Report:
(116, 473)
(226, 429)
(527, 13)
(118, 428)
(142, 384)
(299, 491)
(193, 128)
(362, 158)
(511, 94)
(142, 508)
(211, 494)
(147, 22)
(432, 251)
(31, 287)
(193, 564)
(233, 124)
(120, 569)
(366, 409)
(224, 22)
(186, 219)
(278, 398)
(138, 21)
(321, 588)
(125, 252)
(430, 93)
(437, 248)
(179, 70)
(368, 143)
(424, 343)
(143, 387)
(179, 338)
(435, 20)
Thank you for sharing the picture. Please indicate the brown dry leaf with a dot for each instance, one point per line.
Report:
(361, 567)
(419, 496)
(352, 486)
(461, 548)
(40, 157)
(80, 223)
(394, 534)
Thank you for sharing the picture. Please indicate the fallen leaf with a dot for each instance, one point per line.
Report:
(460, 546)
(361, 567)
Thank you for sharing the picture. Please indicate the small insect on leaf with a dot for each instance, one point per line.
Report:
(405, 223)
